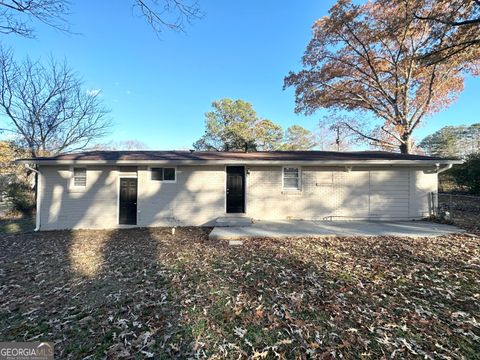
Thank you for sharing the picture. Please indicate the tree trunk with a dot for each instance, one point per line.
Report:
(406, 146)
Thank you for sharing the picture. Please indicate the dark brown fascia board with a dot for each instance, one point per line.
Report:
(46, 162)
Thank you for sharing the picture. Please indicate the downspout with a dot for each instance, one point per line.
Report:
(37, 200)
(439, 169)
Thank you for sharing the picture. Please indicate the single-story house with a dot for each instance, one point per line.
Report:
(111, 189)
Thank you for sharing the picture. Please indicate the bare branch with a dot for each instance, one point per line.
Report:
(460, 21)
(365, 135)
(15, 15)
(449, 22)
(168, 14)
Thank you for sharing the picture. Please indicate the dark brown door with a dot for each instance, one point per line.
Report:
(128, 201)
(235, 189)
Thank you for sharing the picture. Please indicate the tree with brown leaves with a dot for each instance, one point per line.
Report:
(460, 20)
(366, 59)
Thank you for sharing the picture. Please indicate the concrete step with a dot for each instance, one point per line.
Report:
(229, 221)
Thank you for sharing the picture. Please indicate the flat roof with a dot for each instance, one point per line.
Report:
(223, 157)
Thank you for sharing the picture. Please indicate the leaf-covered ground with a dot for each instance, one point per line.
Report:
(147, 293)
(464, 210)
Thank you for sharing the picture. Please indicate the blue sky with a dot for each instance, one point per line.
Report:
(159, 90)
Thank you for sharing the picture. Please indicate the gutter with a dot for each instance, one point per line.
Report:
(37, 200)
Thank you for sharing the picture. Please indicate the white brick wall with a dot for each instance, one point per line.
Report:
(62, 207)
(337, 194)
(198, 196)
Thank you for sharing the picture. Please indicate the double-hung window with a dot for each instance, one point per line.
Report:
(163, 174)
(79, 177)
(291, 178)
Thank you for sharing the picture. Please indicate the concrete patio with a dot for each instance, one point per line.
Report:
(298, 228)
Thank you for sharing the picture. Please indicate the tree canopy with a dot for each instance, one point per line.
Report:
(233, 125)
(460, 20)
(453, 141)
(365, 59)
(467, 175)
(11, 173)
(298, 138)
(9, 151)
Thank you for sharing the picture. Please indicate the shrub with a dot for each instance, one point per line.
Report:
(447, 183)
(467, 174)
(22, 197)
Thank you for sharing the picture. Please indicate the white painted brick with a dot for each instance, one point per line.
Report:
(198, 196)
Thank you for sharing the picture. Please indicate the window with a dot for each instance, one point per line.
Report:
(163, 174)
(79, 177)
(291, 178)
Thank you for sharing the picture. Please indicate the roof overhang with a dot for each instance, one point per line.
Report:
(362, 163)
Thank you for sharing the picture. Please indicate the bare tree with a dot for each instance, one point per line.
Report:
(333, 135)
(16, 15)
(128, 145)
(47, 108)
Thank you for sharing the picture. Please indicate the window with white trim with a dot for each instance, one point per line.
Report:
(79, 177)
(291, 178)
(163, 174)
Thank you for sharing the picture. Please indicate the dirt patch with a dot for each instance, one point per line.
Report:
(147, 293)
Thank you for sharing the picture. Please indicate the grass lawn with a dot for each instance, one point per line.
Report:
(147, 293)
